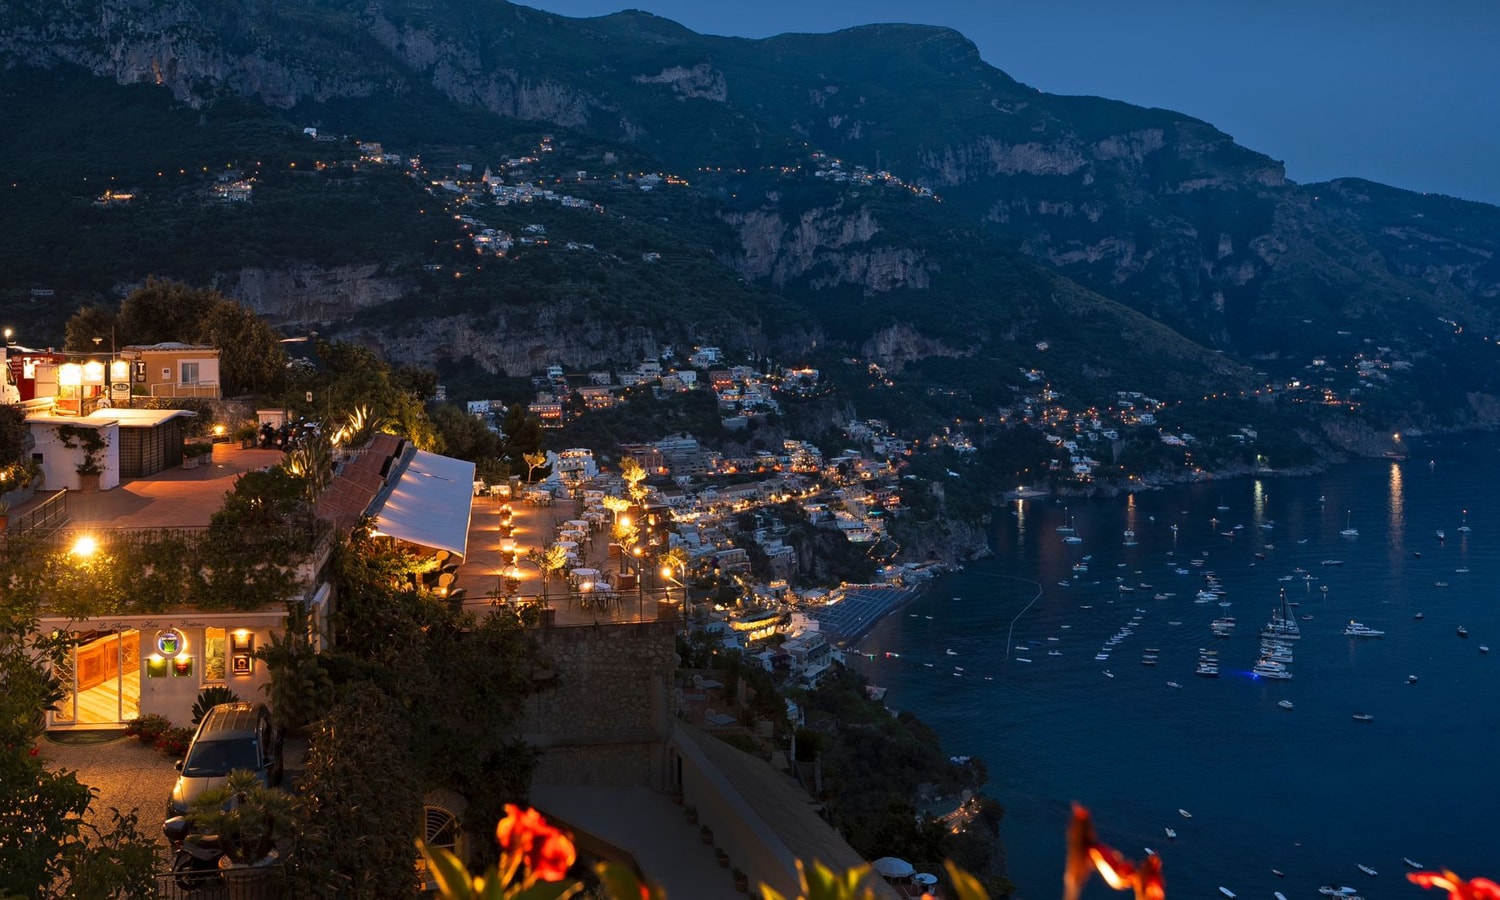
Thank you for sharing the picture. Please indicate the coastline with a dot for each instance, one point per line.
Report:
(864, 606)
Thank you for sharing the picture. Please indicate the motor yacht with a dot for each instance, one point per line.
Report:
(1356, 629)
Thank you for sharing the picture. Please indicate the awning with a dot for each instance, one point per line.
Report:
(430, 504)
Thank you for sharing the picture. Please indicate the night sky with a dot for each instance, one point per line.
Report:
(1398, 91)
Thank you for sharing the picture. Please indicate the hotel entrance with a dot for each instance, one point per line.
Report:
(100, 679)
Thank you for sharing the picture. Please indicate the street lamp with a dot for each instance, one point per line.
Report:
(667, 573)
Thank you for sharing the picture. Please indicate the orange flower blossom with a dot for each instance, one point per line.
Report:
(1457, 888)
(546, 851)
(1086, 855)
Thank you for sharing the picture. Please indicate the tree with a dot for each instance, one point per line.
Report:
(549, 562)
(164, 311)
(633, 474)
(252, 359)
(86, 324)
(46, 847)
(534, 461)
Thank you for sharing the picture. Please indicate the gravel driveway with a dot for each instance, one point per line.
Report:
(124, 775)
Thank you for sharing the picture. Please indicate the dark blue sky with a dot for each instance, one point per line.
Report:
(1398, 91)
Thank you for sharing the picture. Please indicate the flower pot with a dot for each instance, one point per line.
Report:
(88, 482)
(261, 881)
(190, 462)
(742, 883)
(723, 859)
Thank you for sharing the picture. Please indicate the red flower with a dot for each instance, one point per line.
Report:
(1087, 855)
(553, 857)
(546, 852)
(1457, 888)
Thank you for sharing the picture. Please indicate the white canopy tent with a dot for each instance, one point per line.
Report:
(431, 503)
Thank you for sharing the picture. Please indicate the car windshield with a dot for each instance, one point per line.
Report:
(209, 759)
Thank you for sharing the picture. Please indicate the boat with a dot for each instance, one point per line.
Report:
(1278, 894)
(1363, 717)
(1356, 629)
(1349, 530)
(1331, 891)
(1484, 648)
(1054, 653)
(1173, 684)
(1226, 892)
(1284, 704)
(1462, 631)
(950, 652)
(1419, 616)
(1366, 869)
(1412, 863)
(1108, 674)
(1333, 562)
(1411, 679)
(1172, 833)
(1019, 659)
(1441, 535)
(1185, 814)
(1072, 539)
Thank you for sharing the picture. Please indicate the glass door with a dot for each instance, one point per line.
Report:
(101, 680)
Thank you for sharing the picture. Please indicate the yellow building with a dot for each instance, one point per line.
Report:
(173, 369)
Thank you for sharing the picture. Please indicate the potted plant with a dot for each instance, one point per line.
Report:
(707, 834)
(741, 881)
(192, 451)
(92, 443)
(248, 436)
(722, 856)
(692, 815)
(251, 820)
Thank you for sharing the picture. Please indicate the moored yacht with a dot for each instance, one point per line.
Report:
(1357, 629)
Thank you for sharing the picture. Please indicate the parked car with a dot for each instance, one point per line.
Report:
(231, 736)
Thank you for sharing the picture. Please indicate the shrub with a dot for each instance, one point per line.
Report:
(174, 741)
(148, 727)
(211, 697)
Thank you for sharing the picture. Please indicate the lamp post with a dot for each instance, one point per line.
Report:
(668, 573)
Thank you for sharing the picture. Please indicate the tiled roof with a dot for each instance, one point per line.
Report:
(358, 482)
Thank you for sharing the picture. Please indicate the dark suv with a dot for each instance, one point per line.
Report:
(231, 736)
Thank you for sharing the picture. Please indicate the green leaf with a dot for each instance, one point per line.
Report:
(452, 878)
(965, 886)
(552, 890)
(622, 884)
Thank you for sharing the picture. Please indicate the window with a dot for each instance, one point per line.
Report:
(213, 654)
(189, 373)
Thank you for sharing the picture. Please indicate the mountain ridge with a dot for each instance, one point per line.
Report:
(1158, 211)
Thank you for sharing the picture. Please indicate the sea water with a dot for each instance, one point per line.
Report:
(1310, 792)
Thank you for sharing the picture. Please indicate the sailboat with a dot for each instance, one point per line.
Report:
(1464, 528)
(1349, 529)
(1067, 526)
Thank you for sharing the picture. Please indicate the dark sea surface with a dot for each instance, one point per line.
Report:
(1308, 791)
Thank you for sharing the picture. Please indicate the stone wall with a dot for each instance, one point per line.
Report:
(600, 715)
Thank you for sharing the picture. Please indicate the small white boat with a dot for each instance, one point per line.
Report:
(1284, 704)
(1278, 894)
(1226, 892)
(1411, 679)
(1329, 890)
(1185, 814)
(1412, 863)
(1173, 684)
(1366, 869)
(1172, 833)
(1484, 648)
(1363, 717)
(1108, 674)
(1022, 659)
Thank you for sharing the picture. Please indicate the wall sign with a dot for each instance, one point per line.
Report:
(169, 642)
